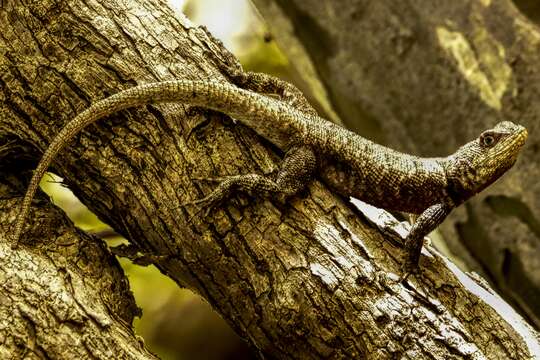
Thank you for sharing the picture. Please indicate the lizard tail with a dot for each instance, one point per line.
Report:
(249, 107)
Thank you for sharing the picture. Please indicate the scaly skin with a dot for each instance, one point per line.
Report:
(347, 162)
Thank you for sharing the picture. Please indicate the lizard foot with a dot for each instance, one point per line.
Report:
(15, 244)
(296, 169)
(209, 202)
(207, 205)
(408, 268)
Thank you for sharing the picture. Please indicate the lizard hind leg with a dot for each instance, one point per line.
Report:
(268, 85)
(295, 172)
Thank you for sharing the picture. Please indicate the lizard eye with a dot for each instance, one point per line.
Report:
(488, 140)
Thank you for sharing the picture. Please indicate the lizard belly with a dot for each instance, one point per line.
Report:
(385, 187)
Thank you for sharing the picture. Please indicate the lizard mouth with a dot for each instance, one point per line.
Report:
(519, 139)
(522, 136)
(519, 132)
(516, 140)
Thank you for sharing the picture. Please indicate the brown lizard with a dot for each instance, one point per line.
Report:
(348, 163)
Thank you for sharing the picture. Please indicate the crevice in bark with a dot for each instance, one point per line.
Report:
(529, 8)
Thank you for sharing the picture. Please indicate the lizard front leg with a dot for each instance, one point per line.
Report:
(428, 221)
(295, 172)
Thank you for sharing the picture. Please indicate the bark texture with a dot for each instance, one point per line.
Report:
(308, 279)
(67, 297)
(426, 76)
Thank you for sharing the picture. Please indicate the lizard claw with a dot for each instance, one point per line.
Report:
(210, 204)
(407, 268)
(15, 244)
(195, 214)
(404, 276)
(411, 268)
(215, 197)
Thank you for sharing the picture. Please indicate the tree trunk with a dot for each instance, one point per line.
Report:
(426, 76)
(306, 280)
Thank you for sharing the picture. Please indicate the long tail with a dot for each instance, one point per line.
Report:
(247, 106)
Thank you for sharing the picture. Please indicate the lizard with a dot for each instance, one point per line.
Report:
(351, 165)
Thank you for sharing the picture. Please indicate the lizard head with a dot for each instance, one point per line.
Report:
(480, 162)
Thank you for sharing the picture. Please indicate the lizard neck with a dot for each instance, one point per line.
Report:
(461, 183)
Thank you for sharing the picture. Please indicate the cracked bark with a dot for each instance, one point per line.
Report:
(66, 298)
(306, 280)
(425, 77)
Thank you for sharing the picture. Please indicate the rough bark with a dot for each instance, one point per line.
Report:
(426, 76)
(304, 280)
(66, 297)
